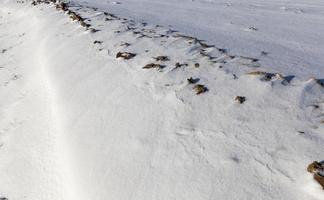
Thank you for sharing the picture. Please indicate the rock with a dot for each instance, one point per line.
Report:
(240, 99)
(314, 166)
(92, 30)
(82, 23)
(97, 42)
(319, 179)
(200, 89)
(125, 55)
(153, 65)
(162, 58)
(62, 6)
(317, 169)
(75, 17)
(178, 65)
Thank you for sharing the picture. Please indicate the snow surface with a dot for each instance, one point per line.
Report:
(290, 31)
(76, 123)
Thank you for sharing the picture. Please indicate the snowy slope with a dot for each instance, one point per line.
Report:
(78, 123)
(290, 31)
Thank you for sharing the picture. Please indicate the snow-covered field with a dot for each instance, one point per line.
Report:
(290, 31)
(76, 123)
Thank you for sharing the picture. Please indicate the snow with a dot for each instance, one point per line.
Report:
(289, 31)
(77, 123)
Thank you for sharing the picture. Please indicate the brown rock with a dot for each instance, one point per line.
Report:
(317, 168)
(200, 89)
(162, 58)
(240, 99)
(319, 179)
(125, 55)
(153, 65)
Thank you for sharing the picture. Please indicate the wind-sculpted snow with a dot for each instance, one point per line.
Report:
(285, 35)
(97, 106)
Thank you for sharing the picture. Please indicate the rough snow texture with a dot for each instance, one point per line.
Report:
(77, 123)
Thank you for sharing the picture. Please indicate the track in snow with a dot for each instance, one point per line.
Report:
(33, 127)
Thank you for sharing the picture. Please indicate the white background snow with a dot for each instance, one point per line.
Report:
(77, 124)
